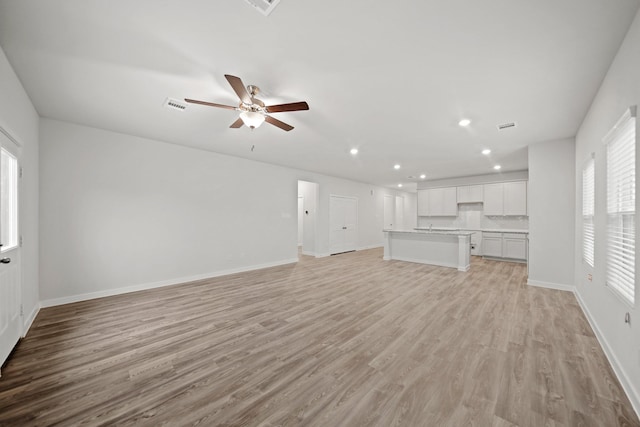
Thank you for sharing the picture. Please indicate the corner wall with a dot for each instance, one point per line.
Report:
(551, 213)
(619, 90)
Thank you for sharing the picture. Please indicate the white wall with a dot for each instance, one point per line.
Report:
(620, 89)
(120, 213)
(551, 213)
(19, 118)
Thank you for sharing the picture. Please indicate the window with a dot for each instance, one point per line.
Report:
(621, 206)
(8, 200)
(588, 209)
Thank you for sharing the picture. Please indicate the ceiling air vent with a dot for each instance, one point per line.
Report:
(175, 104)
(506, 126)
(264, 6)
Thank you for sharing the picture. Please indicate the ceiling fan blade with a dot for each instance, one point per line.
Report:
(237, 124)
(278, 123)
(239, 88)
(294, 106)
(210, 104)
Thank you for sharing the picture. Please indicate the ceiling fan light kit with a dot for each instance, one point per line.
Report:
(252, 119)
(253, 112)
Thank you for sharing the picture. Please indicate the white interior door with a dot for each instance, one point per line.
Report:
(399, 212)
(343, 224)
(389, 212)
(351, 224)
(10, 316)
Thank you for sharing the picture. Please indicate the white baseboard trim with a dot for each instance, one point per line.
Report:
(550, 285)
(144, 286)
(632, 393)
(364, 248)
(28, 321)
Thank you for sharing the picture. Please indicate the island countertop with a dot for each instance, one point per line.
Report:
(488, 230)
(445, 248)
(427, 231)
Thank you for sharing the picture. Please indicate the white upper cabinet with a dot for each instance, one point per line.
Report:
(449, 202)
(493, 203)
(423, 202)
(438, 202)
(470, 194)
(515, 198)
(505, 199)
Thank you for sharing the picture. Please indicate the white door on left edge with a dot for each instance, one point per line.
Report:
(343, 224)
(10, 317)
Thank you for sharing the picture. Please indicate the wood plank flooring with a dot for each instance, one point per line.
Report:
(348, 340)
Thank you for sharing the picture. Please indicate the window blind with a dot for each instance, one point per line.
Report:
(621, 206)
(588, 209)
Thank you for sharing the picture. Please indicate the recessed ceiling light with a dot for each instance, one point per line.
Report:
(497, 167)
(396, 167)
(486, 151)
(400, 185)
(423, 176)
(464, 122)
(354, 151)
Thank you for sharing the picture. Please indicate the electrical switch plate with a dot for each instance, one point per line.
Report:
(590, 277)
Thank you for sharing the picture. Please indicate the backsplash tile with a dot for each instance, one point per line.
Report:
(470, 217)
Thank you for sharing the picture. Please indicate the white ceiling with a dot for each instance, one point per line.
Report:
(390, 78)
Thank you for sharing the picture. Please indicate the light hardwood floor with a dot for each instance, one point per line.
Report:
(348, 340)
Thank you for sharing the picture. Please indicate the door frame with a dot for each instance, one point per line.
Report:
(15, 149)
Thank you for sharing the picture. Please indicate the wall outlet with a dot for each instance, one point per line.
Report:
(590, 277)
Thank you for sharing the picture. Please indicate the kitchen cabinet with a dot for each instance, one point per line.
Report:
(438, 202)
(470, 194)
(514, 246)
(515, 198)
(492, 201)
(492, 244)
(511, 246)
(505, 199)
(423, 202)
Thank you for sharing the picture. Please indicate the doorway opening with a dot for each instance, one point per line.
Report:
(308, 193)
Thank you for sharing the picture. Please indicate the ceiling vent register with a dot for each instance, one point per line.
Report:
(175, 104)
(264, 6)
(504, 126)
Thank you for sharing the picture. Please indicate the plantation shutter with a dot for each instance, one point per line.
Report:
(588, 209)
(621, 206)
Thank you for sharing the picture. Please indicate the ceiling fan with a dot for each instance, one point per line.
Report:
(252, 110)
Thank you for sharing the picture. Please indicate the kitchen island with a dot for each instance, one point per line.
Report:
(442, 248)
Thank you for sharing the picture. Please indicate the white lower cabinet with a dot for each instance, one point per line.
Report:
(504, 245)
(514, 246)
(492, 244)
